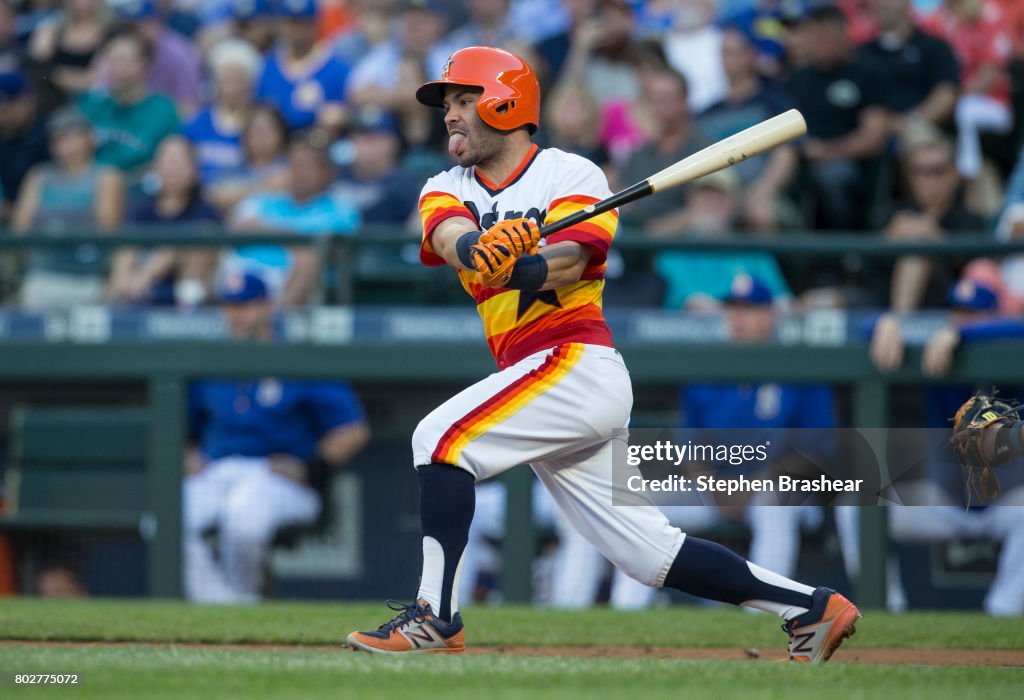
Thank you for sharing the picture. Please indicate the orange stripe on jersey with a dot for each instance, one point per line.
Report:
(435, 207)
(506, 403)
(597, 231)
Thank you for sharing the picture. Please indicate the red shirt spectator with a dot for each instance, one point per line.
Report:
(861, 26)
(978, 33)
(1013, 20)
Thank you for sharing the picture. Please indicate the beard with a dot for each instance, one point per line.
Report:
(479, 144)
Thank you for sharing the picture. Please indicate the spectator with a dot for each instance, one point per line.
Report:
(261, 457)
(374, 180)
(64, 50)
(937, 514)
(780, 408)
(386, 77)
(22, 135)
(304, 80)
(489, 24)
(749, 101)
(842, 100)
(695, 280)
(936, 210)
(922, 75)
(306, 207)
(370, 28)
(12, 56)
(74, 193)
(674, 135)
(173, 69)
(979, 39)
(604, 55)
(256, 23)
(554, 50)
(264, 167)
(130, 121)
(693, 47)
(216, 131)
(167, 276)
(571, 121)
(1013, 19)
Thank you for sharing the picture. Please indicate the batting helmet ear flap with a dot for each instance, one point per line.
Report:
(511, 92)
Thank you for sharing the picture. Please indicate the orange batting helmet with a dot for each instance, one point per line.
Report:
(511, 92)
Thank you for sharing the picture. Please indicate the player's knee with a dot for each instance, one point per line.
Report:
(246, 530)
(424, 442)
(640, 568)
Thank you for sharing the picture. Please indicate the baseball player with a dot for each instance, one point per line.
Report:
(561, 397)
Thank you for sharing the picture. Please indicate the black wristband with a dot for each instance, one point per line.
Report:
(462, 246)
(529, 273)
(1009, 443)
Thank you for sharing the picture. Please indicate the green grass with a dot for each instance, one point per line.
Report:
(169, 671)
(174, 672)
(328, 623)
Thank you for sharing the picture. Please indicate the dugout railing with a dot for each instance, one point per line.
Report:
(166, 368)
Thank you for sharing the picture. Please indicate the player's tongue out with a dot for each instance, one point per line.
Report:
(456, 143)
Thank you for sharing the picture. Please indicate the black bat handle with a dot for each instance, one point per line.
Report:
(630, 194)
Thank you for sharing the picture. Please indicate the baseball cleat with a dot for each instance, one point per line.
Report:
(414, 630)
(815, 635)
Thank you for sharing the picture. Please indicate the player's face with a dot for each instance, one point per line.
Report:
(750, 324)
(470, 141)
(248, 321)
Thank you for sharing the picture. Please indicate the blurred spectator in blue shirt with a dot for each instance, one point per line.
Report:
(216, 131)
(303, 79)
(174, 68)
(172, 275)
(843, 99)
(22, 134)
(695, 279)
(750, 100)
(261, 457)
(264, 141)
(307, 207)
(72, 194)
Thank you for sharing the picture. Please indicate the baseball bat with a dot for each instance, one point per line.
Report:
(729, 151)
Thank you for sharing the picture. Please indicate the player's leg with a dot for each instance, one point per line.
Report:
(514, 416)
(259, 503)
(1005, 521)
(203, 497)
(640, 541)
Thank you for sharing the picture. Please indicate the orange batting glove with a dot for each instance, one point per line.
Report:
(494, 261)
(520, 236)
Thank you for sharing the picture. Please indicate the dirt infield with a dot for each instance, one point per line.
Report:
(879, 656)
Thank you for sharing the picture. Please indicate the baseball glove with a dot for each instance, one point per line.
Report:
(494, 262)
(520, 236)
(973, 417)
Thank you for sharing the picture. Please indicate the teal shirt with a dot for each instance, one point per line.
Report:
(688, 273)
(127, 135)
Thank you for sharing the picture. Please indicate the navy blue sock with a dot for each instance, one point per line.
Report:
(709, 570)
(447, 502)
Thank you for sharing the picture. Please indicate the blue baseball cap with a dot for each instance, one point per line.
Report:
(137, 10)
(374, 119)
(12, 85)
(241, 288)
(252, 9)
(748, 290)
(968, 295)
(297, 9)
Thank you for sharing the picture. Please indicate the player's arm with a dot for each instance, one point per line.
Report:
(565, 260)
(452, 238)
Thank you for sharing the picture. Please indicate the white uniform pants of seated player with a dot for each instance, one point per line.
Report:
(774, 545)
(247, 503)
(1002, 521)
(566, 414)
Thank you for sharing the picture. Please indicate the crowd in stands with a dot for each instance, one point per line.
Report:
(300, 116)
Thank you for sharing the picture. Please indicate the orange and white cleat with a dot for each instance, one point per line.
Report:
(414, 630)
(815, 635)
